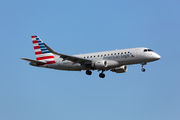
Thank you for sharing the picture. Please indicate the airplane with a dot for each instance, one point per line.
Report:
(115, 61)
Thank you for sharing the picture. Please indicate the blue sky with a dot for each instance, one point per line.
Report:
(73, 27)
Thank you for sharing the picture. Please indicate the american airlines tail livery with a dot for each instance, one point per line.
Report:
(114, 61)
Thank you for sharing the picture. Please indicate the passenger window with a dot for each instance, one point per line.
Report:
(114, 53)
(101, 55)
(87, 56)
(91, 56)
(98, 55)
(121, 52)
(94, 56)
(125, 53)
(111, 54)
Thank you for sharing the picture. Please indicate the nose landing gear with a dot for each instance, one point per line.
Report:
(143, 69)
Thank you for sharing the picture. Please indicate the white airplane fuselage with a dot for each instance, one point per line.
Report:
(115, 58)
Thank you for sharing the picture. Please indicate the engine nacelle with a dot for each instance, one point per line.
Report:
(99, 64)
(104, 64)
(120, 69)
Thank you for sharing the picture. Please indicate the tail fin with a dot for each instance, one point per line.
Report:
(41, 51)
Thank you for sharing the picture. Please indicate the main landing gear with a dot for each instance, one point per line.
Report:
(143, 69)
(88, 72)
(101, 75)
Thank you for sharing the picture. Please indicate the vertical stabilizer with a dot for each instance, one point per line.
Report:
(41, 51)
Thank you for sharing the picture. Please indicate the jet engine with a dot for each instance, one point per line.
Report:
(120, 69)
(104, 64)
(100, 64)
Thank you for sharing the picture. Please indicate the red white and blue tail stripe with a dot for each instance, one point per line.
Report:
(41, 52)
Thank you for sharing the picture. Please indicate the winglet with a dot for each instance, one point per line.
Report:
(50, 50)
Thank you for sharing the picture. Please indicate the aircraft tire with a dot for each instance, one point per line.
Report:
(101, 75)
(143, 70)
(88, 72)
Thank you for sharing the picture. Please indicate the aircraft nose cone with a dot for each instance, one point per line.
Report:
(156, 56)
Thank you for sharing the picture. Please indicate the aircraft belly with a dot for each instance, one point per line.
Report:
(129, 60)
(68, 65)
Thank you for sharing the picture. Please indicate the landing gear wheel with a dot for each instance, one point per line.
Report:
(143, 63)
(88, 72)
(101, 75)
(143, 70)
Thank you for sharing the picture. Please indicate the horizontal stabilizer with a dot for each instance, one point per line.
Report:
(33, 61)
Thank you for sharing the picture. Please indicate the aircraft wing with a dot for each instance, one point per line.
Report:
(71, 58)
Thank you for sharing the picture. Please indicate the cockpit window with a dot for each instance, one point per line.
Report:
(145, 50)
(150, 50)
